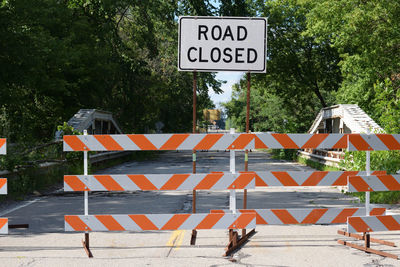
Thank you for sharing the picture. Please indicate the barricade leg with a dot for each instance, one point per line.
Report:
(235, 242)
(367, 243)
(194, 232)
(86, 246)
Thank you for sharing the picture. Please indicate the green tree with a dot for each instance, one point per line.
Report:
(366, 35)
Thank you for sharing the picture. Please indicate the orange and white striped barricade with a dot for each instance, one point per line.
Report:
(133, 182)
(146, 222)
(363, 183)
(3, 188)
(236, 141)
(367, 224)
(321, 216)
(372, 222)
(377, 142)
(307, 178)
(142, 222)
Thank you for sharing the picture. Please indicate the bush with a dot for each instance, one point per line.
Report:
(380, 160)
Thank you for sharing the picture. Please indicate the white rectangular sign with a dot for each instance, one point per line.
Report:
(222, 44)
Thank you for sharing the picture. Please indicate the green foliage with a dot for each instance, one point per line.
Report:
(379, 160)
(387, 105)
(59, 56)
(285, 154)
(67, 129)
(366, 35)
(301, 74)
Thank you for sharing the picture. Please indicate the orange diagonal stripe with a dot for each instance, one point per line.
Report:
(174, 142)
(2, 141)
(217, 211)
(208, 141)
(175, 181)
(260, 219)
(108, 142)
(285, 216)
(342, 143)
(243, 220)
(75, 183)
(315, 178)
(3, 181)
(285, 178)
(359, 184)
(377, 211)
(358, 142)
(109, 222)
(142, 142)
(260, 181)
(242, 181)
(359, 225)
(209, 221)
(314, 216)
(342, 180)
(142, 182)
(3, 222)
(175, 222)
(389, 141)
(342, 216)
(241, 141)
(209, 181)
(378, 173)
(315, 140)
(143, 222)
(389, 222)
(390, 182)
(259, 144)
(108, 182)
(74, 142)
(285, 141)
(76, 223)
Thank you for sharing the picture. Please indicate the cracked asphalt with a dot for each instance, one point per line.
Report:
(46, 244)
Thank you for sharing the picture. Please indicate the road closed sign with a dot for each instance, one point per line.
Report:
(222, 44)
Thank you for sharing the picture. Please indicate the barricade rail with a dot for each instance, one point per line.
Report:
(133, 182)
(237, 141)
(151, 222)
(374, 183)
(305, 216)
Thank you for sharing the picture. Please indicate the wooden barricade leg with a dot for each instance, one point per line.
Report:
(367, 244)
(86, 246)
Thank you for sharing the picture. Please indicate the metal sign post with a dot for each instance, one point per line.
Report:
(212, 44)
(367, 195)
(86, 202)
(246, 153)
(194, 232)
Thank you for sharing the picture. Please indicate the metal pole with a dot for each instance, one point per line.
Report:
(194, 232)
(85, 172)
(86, 201)
(368, 169)
(246, 153)
(232, 167)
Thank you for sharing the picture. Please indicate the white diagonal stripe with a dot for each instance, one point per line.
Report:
(125, 142)
(158, 140)
(126, 222)
(3, 190)
(269, 140)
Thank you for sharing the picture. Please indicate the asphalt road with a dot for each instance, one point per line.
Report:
(45, 243)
